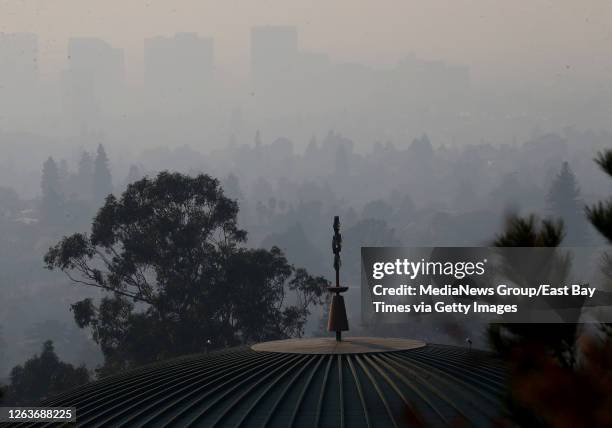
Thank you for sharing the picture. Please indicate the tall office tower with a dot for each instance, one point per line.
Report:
(93, 83)
(178, 71)
(274, 55)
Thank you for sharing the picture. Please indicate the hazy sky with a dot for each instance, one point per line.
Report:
(496, 38)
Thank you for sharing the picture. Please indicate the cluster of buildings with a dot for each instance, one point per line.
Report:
(180, 79)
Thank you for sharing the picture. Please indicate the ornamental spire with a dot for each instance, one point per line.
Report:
(337, 321)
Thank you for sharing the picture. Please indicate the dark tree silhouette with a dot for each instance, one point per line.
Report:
(565, 202)
(102, 179)
(557, 378)
(526, 232)
(600, 214)
(529, 348)
(43, 376)
(169, 251)
(560, 339)
(52, 203)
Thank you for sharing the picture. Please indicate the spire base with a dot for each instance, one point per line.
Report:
(337, 320)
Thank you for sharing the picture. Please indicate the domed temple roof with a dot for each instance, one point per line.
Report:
(361, 382)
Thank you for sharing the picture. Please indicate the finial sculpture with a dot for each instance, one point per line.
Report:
(337, 321)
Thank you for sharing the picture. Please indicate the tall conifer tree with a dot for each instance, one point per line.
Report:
(52, 200)
(564, 201)
(102, 180)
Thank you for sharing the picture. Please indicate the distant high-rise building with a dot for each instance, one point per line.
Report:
(274, 54)
(179, 70)
(93, 83)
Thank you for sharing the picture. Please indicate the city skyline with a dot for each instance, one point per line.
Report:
(158, 46)
(292, 85)
(498, 41)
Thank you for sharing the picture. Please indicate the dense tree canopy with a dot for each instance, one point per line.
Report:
(171, 254)
(43, 376)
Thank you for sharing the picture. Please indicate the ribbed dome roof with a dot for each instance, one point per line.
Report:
(246, 387)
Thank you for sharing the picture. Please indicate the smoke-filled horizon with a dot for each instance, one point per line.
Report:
(499, 41)
(204, 74)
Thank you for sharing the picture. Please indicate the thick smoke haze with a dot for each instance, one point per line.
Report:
(509, 40)
(419, 123)
(460, 71)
